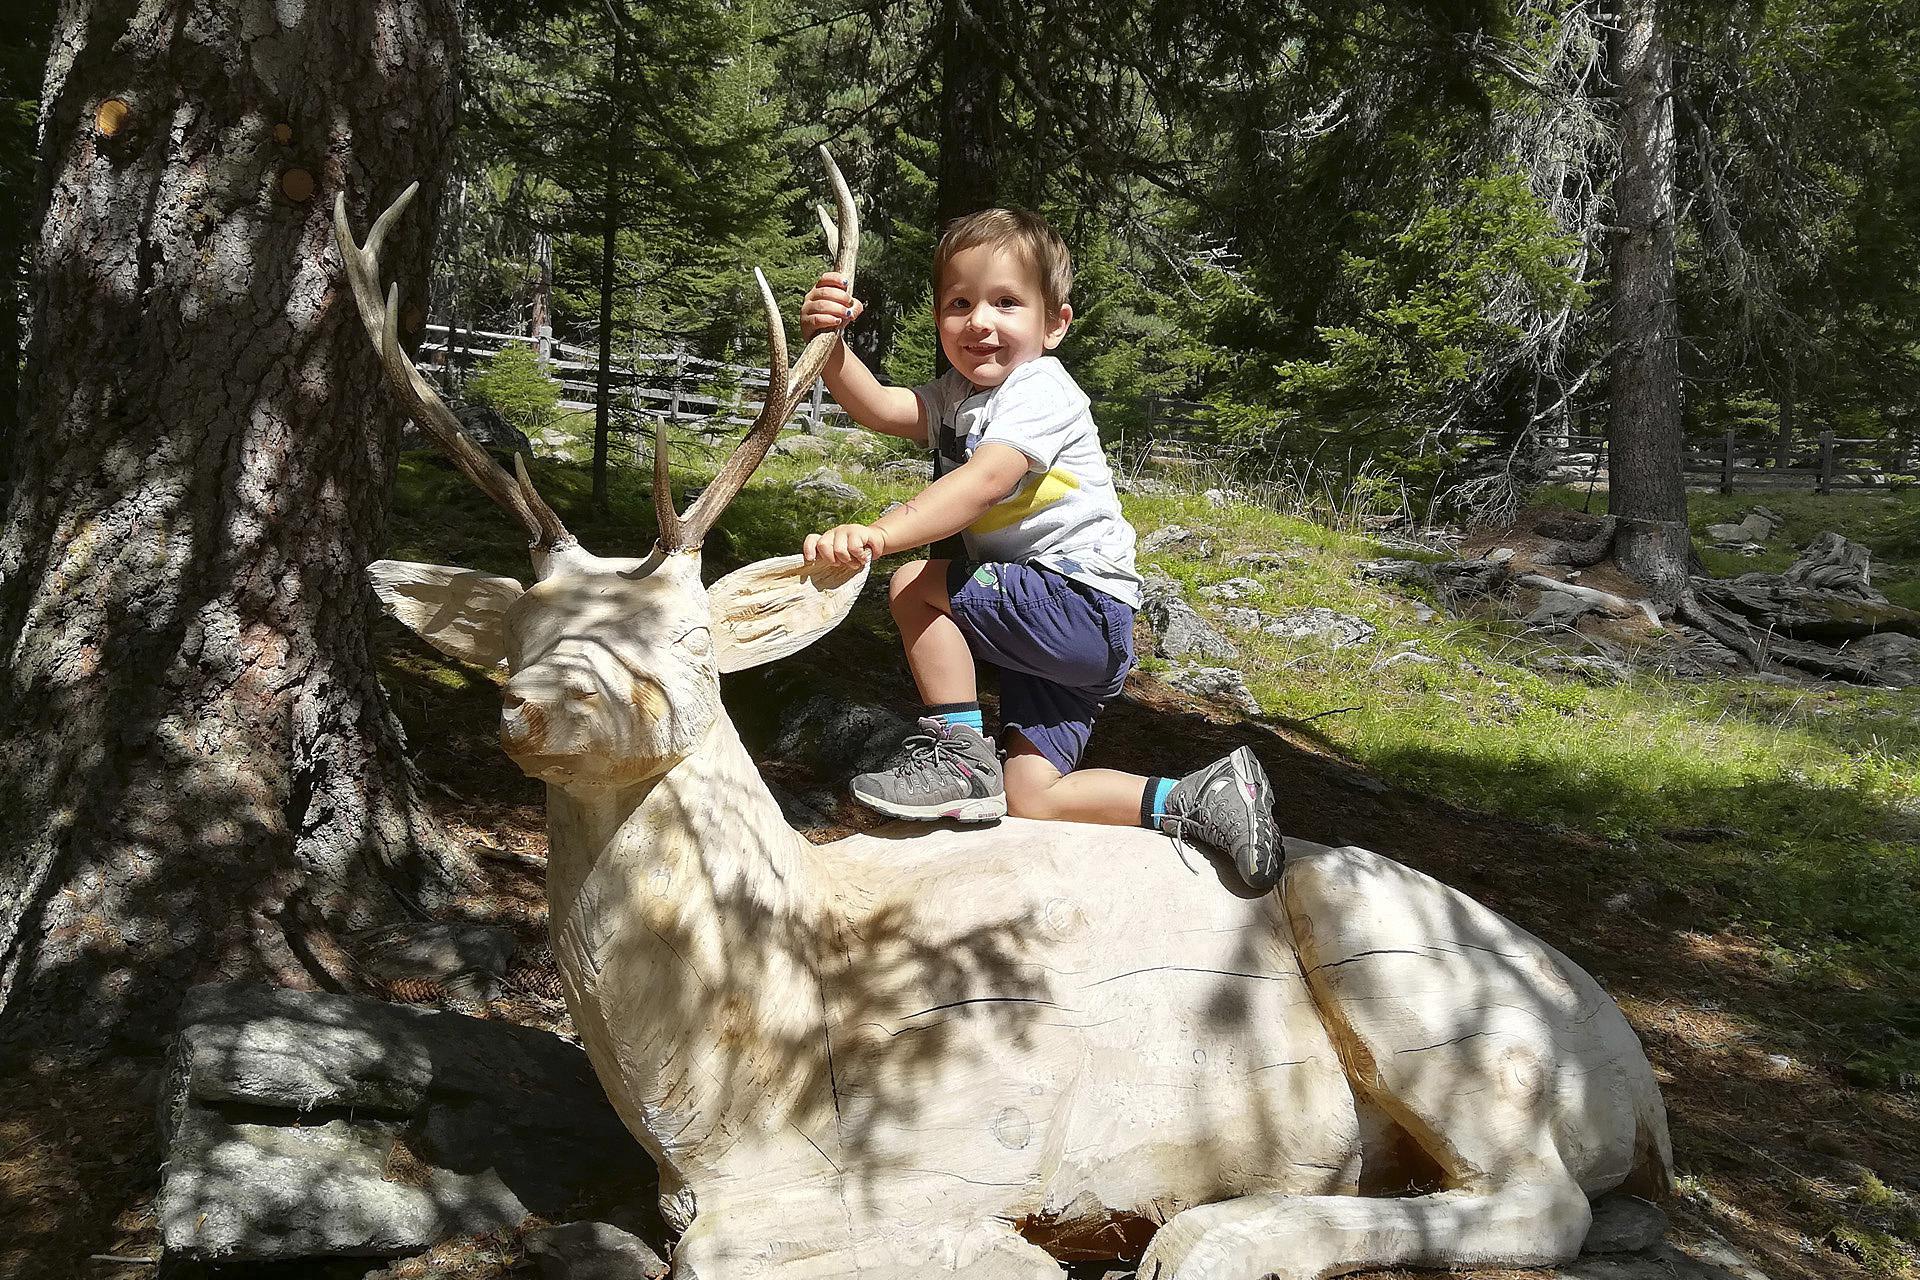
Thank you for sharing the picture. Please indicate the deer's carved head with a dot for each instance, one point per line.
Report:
(613, 664)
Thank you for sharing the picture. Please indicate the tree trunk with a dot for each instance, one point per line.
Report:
(1648, 486)
(969, 112)
(199, 775)
(609, 235)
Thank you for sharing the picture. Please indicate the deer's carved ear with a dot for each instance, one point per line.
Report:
(777, 607)
(457, 611)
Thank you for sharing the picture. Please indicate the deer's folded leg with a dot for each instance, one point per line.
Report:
(761, 1245)
(1313, 1237)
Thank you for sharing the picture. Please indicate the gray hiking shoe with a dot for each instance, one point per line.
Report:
(1229, 805)
(944, 771)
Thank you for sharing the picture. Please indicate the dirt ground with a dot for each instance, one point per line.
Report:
(1769, 1134)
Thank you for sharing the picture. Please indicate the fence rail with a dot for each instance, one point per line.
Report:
(1179, 432)
(1823, 463)
(715, 394)
(670, 384)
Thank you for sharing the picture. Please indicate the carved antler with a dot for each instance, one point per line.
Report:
(381, 316)
(679, 532)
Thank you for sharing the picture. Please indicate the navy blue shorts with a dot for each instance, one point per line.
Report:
(1063, 649)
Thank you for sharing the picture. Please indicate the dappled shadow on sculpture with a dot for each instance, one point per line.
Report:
(913, 1053)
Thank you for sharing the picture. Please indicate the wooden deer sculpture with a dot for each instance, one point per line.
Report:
(932, 1051)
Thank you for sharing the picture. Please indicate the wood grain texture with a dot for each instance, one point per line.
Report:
(921, 1050)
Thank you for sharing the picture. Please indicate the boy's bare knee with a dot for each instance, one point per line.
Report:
(911, 584)
(1030, 793)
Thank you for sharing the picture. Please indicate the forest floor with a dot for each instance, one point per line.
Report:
(1736, 861)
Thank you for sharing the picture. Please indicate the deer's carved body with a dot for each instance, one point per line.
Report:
(934, 1051)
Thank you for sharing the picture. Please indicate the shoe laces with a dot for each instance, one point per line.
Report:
(923, 752)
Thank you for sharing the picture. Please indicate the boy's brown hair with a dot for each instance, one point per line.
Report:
(1026, 234)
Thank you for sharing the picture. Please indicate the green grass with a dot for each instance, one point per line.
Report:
(1797, 808)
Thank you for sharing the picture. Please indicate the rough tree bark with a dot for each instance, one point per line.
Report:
(199, 774)
(1648, 486)
(610, 211)
(970, 81)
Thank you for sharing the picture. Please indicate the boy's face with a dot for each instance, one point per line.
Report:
(992, 314)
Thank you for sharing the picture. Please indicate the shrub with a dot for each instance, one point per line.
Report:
(516, 387)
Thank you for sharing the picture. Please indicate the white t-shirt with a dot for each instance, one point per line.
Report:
(1064, 514)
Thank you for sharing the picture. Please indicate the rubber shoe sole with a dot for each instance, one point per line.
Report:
(1259, 873)
(972, 809)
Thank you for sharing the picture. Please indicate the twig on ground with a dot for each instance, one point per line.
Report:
(1320, 714)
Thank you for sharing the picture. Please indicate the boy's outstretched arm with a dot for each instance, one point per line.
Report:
(946, 506)
(893, 411)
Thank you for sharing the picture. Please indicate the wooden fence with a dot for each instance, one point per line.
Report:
(682, 388)
(1823, 463)
(1179, 432)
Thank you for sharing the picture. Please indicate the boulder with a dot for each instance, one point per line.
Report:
(1232, 589)
(1177, 537)
(798, 444)
(487, 428)
(1337, 630)
(1216, 684)
(828, 483)
(1179, 632)
(1590, 667)
(1625, 1224)
(1263, 560)
(300, 1123)
(833, 738)
(593, 1251)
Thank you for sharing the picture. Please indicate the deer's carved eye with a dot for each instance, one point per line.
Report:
(698, 642)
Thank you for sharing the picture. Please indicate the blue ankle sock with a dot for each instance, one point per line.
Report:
(1153, 802)
(966, 713)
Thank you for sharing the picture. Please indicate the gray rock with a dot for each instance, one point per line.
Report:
(1664, 1262)
(899, 467)
(487, 428)
(593, 1251)
(1241, 618)
(1177, 537)
(467, 959)
(1217, 684)
(1221, 497)
(798, 444)
(801, 813)
(1232, 589)
(1591, 667)
(1559, 609)
(300, 1124)
(1625, 1224)
(1337, 630)
(836, 739)
(1179, 632)
(828, 483)
(1264, 560)
(1734, 533)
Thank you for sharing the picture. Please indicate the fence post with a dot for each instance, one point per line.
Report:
(1726, 464)
(819, 396)
(673, 403)
(1825, 483)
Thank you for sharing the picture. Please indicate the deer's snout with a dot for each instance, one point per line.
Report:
(543, 711)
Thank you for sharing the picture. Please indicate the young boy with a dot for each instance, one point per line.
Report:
(1047, 592)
